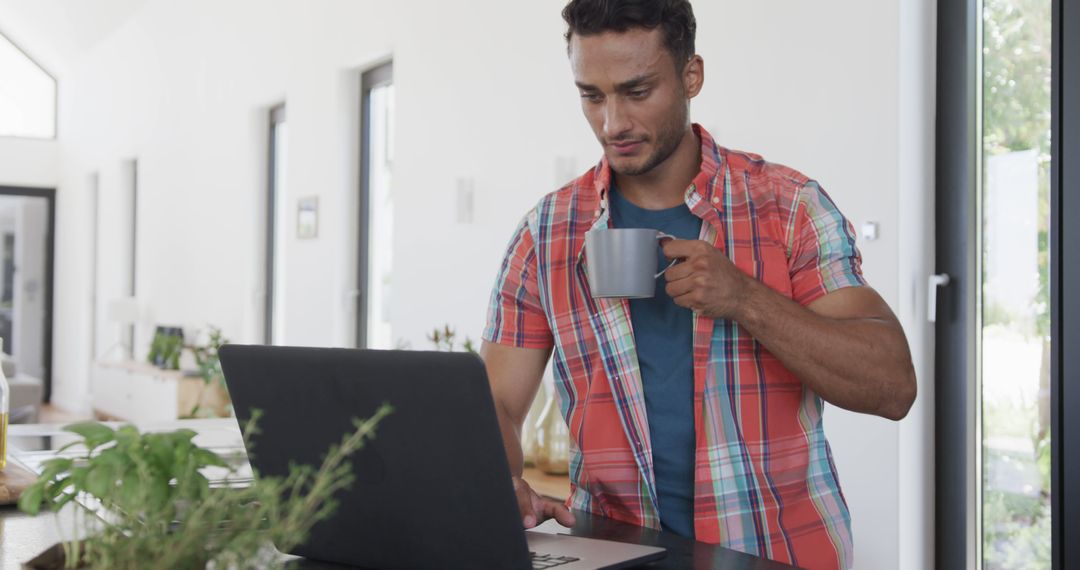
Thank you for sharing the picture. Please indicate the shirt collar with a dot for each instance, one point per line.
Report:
(706, 187)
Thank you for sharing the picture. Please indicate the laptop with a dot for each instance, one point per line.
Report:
(432, 489)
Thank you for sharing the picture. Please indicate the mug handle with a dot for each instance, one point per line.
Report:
(659, 237)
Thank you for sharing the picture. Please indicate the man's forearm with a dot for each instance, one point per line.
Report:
(515, 375)
(511, 435)
(860, 364)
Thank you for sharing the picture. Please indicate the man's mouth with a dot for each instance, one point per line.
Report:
(627, 147)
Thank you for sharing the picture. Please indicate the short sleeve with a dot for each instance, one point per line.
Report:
(823, 257)
(515, 314)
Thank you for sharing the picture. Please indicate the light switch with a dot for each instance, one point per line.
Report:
(870, 231)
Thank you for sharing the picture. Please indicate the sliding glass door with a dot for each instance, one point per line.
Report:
(1014, 387)
(1000, 374)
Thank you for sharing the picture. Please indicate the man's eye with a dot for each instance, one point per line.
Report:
(639, 93)
(592, 97)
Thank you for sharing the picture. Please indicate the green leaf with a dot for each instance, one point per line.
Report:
(59, 503)
(57, 487)
(181, 435)
(157, 494)
(30, 500)
(205, 457)
(161, 452)
(130, 489)
(99, 482)
(94, 433)
(55, 466)
(126, 434)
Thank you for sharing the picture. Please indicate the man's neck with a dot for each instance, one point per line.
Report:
(665, 185)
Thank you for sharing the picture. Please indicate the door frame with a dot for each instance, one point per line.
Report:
(959, 129)
(1065, 278)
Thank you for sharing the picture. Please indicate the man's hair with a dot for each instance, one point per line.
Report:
(676, 17)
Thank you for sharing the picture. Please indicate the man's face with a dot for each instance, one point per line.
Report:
(634, 98)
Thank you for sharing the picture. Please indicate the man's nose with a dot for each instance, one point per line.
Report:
(616, 121)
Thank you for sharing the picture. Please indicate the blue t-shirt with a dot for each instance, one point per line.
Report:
(664, 337)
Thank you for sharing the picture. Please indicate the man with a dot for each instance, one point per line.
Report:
(698, 411)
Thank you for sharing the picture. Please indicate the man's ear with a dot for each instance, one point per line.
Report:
(693, 76)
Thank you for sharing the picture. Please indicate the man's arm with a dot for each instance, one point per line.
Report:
(515, 374)
(847, 345)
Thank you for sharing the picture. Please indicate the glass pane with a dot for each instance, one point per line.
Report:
(23, 238)
(27, 95)
(381, 218)
(1015, 344)
(282, 218)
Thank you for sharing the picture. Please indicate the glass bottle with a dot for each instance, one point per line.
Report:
(5, 396)
(528, 429)
(552, 440)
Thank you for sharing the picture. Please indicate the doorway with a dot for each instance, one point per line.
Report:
(27, 238)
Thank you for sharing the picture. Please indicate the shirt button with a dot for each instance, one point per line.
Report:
(715, 199)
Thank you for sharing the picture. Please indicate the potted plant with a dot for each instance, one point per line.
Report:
(160, 507)
(166, 348)
(213, 397)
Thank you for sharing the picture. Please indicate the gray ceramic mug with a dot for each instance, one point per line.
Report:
(621, 262)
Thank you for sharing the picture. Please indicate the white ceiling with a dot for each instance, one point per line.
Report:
(56, 32)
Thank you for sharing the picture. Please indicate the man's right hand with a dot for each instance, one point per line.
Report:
(536, 509)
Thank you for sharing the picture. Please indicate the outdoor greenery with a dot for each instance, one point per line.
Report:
(1016, 107)
(161, 507)
(1016, 117)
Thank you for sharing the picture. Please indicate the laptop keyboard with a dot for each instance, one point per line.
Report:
(541, 561)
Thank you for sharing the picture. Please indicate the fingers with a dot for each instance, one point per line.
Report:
(536, 509)
(561, 514)
(693, 256)
(525, 499)
(680, 287)
(680, 270)
(676, 248)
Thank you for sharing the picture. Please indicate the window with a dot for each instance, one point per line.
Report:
(375, 278)
(276, 226)
(27, 95)
(1014, 386)
(1002, 359)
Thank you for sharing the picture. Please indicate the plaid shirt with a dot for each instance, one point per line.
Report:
(764, 479)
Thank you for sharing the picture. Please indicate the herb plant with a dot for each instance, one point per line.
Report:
(160, 509)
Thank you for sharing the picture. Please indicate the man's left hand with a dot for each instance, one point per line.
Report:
(704, 281)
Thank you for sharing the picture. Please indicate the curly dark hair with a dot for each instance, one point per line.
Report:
(587, 17)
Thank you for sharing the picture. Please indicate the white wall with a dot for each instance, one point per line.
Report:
(29, 162)
(837, 89)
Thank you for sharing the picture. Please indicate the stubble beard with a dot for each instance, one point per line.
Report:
(667, 141)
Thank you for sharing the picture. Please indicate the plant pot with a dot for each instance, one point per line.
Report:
(53, 558)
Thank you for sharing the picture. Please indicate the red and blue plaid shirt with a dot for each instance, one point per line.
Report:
(764, 479)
